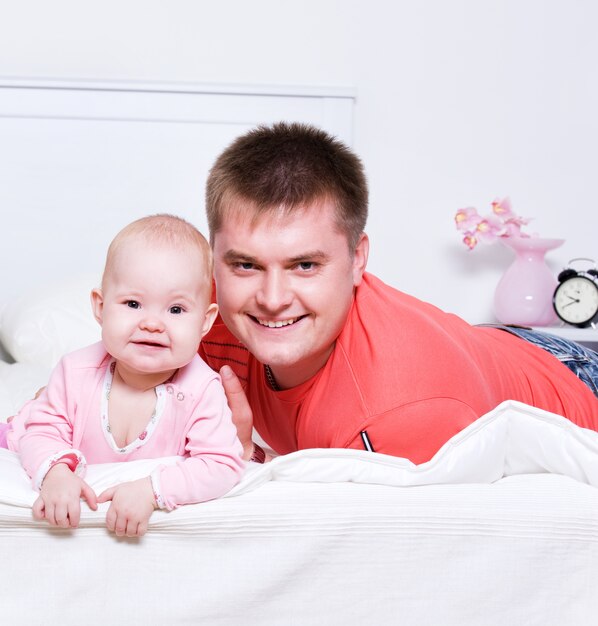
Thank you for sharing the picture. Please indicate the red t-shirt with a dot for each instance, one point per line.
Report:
(407, 373)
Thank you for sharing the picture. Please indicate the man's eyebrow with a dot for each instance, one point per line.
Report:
(317, 256)
(233, 256)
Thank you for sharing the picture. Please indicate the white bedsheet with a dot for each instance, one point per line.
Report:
(327, 537)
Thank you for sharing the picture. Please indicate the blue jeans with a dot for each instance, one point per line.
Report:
(582, 361)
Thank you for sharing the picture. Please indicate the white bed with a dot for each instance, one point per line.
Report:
(500, 528)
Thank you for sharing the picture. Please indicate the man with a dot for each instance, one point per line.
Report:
(327, 354)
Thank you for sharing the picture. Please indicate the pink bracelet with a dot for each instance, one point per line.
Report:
(70, 460)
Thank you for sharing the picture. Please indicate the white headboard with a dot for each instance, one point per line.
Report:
(78, 160)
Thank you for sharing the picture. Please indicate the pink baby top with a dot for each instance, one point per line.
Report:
(191, 420)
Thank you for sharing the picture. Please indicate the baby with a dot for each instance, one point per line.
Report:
(143, 392)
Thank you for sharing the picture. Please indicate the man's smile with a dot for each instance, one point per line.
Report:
(277, 323)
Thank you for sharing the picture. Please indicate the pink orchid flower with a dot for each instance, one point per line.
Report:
(466, 220)
(502, 222)
(489, 229)
(502, 208)
(470, 241)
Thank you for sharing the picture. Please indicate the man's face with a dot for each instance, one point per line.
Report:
(285, 286)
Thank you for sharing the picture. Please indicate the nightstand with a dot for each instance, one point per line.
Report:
(586, 336)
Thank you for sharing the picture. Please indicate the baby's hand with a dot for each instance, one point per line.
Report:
(59, 501)
(132, 505)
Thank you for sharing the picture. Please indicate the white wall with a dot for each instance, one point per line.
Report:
(459, 101)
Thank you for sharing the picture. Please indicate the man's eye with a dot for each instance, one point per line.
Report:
(176, 310)
(133, 304)
(306, 265)
(244, 266)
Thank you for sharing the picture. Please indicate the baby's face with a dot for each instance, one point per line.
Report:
(154, 307)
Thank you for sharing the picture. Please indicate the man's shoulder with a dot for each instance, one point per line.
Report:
(386, 321)
(376, 298)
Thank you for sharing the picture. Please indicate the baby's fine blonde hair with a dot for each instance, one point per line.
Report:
(163, 229)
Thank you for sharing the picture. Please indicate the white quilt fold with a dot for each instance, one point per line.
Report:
(512, 439)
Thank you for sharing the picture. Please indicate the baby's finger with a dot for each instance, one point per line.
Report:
(118, 523)
(142, 528)
(106, 495)
(111, 519)
(50, 513)
(74, 514)
(87, 493)
(61, 515)
(120, 527)
(132, 528)
(38, 509)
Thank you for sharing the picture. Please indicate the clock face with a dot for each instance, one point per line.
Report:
(576, 300)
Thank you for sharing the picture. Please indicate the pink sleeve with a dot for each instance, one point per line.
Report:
(48, 430)
(215, 461)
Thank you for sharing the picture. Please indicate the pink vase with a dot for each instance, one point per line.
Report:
(524, 293)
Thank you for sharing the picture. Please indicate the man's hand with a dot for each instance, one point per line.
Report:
(132, 506)
(59, 502)
(242, 414)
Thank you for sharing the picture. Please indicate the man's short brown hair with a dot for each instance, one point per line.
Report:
(285, 167)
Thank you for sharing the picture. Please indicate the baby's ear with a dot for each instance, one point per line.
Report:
(97, 304)
(211, 315)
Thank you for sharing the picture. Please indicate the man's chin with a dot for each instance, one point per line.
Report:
(275, 351)
(274, 359)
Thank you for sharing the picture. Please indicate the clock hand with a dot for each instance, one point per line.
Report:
(570, 303)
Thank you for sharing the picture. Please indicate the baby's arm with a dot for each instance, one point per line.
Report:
(44, 428)
(215, 462)
(60, 494)
(44, 440)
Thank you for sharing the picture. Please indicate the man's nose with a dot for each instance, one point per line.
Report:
(274, 293)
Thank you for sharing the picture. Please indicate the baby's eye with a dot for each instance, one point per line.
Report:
(176, 310)
(132, 304)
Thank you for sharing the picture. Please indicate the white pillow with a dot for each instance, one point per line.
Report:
(42, 326)
(19, 382)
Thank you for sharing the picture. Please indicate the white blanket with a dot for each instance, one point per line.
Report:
(512, 439)
(308, 540)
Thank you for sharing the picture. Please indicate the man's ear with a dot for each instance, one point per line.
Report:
(360, 258)
(211, 315)
(97, 304)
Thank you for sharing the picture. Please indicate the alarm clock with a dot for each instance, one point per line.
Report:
(575, 298)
